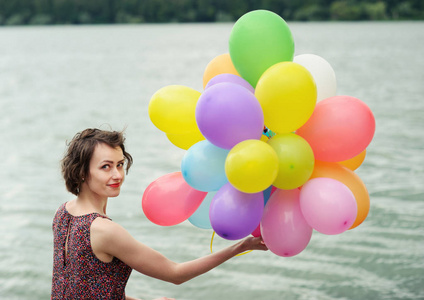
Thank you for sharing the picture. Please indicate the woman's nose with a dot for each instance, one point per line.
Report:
(117, 174)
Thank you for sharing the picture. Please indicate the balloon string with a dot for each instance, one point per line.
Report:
(240, 254)
(268, 132)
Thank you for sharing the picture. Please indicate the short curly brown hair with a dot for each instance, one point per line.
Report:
(76, 161)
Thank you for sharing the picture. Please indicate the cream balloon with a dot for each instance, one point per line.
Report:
(322, 72)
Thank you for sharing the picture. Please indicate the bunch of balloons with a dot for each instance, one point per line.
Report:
(271, 149)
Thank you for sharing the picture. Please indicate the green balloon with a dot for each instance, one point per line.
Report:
(258, 40)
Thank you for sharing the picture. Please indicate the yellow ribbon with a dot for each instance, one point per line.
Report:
(240, 254)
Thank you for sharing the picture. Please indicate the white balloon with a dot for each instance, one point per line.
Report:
(322, 72)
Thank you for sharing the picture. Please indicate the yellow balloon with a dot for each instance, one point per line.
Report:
(295, 160)
(172, 109)
(354, 162)
(251, 166)
(287, 94)
(185, 140)
(264, 138)
(221, 64)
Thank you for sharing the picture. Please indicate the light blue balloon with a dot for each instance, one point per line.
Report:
(203, 166)
(200, 218)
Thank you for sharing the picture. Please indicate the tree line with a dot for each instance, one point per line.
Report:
(44, 12)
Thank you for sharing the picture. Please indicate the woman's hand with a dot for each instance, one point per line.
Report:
(253, 243)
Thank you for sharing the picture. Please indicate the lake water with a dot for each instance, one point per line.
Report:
(55, 81)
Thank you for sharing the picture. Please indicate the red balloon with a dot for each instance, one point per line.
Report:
(340, 128)
(257, 231)
(169, 200)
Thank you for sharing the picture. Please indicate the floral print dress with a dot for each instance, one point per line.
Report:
(78, 273)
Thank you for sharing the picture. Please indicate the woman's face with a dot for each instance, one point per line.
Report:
(106, 171)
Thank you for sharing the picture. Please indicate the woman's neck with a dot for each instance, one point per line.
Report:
(85, 204)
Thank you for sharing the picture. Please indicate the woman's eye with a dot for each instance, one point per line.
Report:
(105, 167)
(120, 165)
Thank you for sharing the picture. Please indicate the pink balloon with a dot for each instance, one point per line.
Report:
(340, 128)
(328, 205)
(283, 227)
(169, 200)
(267, 194)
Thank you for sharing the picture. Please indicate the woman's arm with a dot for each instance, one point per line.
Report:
(112, 239)
(191, 269)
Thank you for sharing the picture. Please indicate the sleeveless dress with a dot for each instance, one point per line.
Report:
(80, 274)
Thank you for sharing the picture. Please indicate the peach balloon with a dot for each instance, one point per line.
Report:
(340, 128)
(351, 180)
(219, 65)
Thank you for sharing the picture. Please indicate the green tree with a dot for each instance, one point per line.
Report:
(375, 11)
(313, 12)
(345, 10)
(17, 12)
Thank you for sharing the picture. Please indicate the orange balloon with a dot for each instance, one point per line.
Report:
(355, 161)
(219, 65)
(351, 180)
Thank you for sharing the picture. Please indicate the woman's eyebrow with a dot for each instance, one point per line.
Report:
(106, 161)
(111, 161)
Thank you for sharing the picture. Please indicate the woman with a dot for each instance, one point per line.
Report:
(94, 256)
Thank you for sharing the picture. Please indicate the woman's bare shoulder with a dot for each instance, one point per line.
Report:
(103, 225)
(107, 230)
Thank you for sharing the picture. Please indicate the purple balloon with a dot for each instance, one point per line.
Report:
(234, 214)
(226, 77)
(227, 113)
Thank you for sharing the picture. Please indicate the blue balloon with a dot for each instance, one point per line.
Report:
(267, 194)
(203, 166)
(200, 218)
